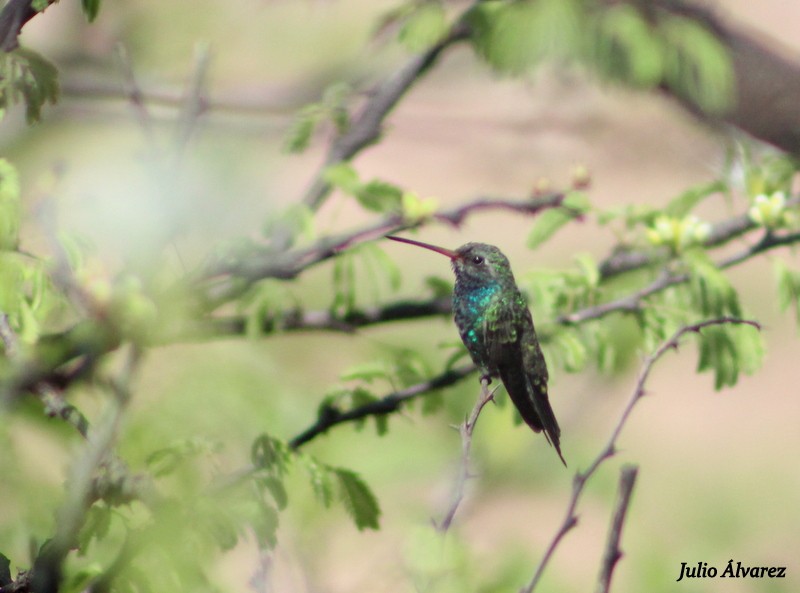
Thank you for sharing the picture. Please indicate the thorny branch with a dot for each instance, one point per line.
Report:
(613, 553)
(610, 448)
(466, 429)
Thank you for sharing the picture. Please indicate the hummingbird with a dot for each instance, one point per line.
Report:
(496, 326)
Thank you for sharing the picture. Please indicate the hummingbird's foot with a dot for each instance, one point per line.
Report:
(487, 378)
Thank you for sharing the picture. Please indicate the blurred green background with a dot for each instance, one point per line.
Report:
(718, 471)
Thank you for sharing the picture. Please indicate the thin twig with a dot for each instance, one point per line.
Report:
(579, 481)
(613, 553)
(466, 431)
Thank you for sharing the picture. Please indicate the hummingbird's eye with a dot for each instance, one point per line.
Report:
(477, 260)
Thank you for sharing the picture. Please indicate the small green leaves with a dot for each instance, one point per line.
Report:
(626, 47)
(728, 350)
(90, 9)
(331, 108)
(375, 195)
(358, 499)
(711, 291)
(354, 494)
(515, 36)
(270, 454)
(424, 26)
(373, 262)
(574, 205)
(342, 176)
(26, 76)
(697, 65)
(788, 288)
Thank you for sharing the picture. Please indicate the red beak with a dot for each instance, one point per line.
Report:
(448, 252)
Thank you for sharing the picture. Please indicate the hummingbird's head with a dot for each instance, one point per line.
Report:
(480, 263)
(474, 263)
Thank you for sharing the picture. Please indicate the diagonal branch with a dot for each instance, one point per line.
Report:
(366, 128)
(330, 416)
(466, 429)
(613, 553)
(610, 448)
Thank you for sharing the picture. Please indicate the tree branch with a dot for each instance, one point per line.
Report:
(263, 262)
(13, 17)
(621, 261)
(366, 128)
(610, 448)
(613, 553)
(330, 416)
(766, 83)
(466, 431)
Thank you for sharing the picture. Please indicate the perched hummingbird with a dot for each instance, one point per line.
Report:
(497, 328)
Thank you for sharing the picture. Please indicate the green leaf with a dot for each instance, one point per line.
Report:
(334, 104)
(366, 371)
(10, 206)
(96, 524)
(321, 480)
(626, 48)
(276, 489)
(515, 36)
(358, 499)
(423, 27)
(550, 221)
(302, 128)
(26, 74)
(697, 64)
(682, 205)
(342, 176)
(90, 8)
(712, 292)
(718, 353)
(270, 453)
(571, 350)
(788, 281)
(379, 196)
(385, 264)
(266, 528)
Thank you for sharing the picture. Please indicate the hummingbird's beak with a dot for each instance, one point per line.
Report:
(448, 252)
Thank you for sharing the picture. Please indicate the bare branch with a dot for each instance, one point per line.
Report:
(610, 448)
(613, 553)
(465, 430)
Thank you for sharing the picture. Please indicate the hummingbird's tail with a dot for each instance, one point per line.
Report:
(529, 394)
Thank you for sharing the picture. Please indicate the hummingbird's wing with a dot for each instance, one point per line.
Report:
(513, 347)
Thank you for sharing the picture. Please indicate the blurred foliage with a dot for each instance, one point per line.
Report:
(161, 506)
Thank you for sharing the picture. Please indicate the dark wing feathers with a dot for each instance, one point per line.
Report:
(514, 348)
